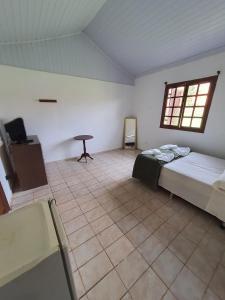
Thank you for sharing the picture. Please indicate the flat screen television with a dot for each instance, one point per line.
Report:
(16, 130)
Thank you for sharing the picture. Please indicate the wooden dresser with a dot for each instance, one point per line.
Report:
(28, 164)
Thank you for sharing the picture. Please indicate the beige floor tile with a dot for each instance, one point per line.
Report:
(198, 264)
(111, 205)
(212, 249)
(42, 192)
(127, 223)
(78, 284)
(217, 285)
(142, 212)
(187, 286)
(67, 206)
(99, 192)
(81, 192)
(193, 233)
(119, 250)
(80, 236)
(165, 212)
(166, 233)
(62, 193)
(109, 235)
(151, 249)
(153, 203)
(126, 297)
(95, 270)
(89, 205)
(95, 214)
(148, 287)
(70, 214)
(138, 235)
(101, 223)
(23, 198)
(216, 232)
(223, 260)
(104, 198)
(84, 298)
(75, 224)
(125, 197)
(167, 266)
(87, 251)
(182, 248)
(209, 295)
(58, 187)
(72, 262)
(85, 198)
(169, 296)
(178, 222)
(153, 222)
(131, 268)
(110, 288)
(118, 213)
(117, 191)
(133, 204)
(64, 198)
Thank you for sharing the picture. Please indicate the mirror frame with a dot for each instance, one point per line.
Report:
(135, 143)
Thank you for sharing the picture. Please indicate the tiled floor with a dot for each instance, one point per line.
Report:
(129, 242)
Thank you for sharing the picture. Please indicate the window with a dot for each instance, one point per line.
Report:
(186, 104)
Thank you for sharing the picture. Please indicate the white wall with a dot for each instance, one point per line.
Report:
(148, 100)
(84, 106)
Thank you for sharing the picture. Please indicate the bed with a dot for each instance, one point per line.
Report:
(192, 178)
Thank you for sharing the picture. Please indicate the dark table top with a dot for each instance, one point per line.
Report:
(83, 137)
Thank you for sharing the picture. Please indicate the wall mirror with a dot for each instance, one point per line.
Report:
(130, 133)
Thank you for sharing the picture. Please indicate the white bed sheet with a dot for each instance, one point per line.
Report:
(191, 177)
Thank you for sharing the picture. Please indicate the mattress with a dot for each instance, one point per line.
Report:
(191, 177)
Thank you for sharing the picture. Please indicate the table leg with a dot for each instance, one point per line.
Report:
(85, 154)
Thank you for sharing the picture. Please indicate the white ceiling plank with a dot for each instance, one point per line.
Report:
(29, 20)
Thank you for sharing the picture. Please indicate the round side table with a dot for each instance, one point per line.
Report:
(84, 138)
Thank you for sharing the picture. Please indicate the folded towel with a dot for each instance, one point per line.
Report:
(168, 152)
(168, 147)
(181, 151)
(151, 151)
(219, 184)
(167, 157)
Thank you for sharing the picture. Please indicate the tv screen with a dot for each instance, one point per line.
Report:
(16, 130)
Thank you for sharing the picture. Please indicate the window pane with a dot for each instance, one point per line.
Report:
(168, 111)
(169, 102)
(176, 112)
(204, 88)
(180, 91)
(178, 101)
(171, 92)
(201, 100)
(166, 121)
(198, 111)
(192, 89)
(188, 111)
(186, 122)
(190, 101)
(175, 121)
(196, 122)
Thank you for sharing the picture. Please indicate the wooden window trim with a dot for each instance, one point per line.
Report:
(212, 80)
